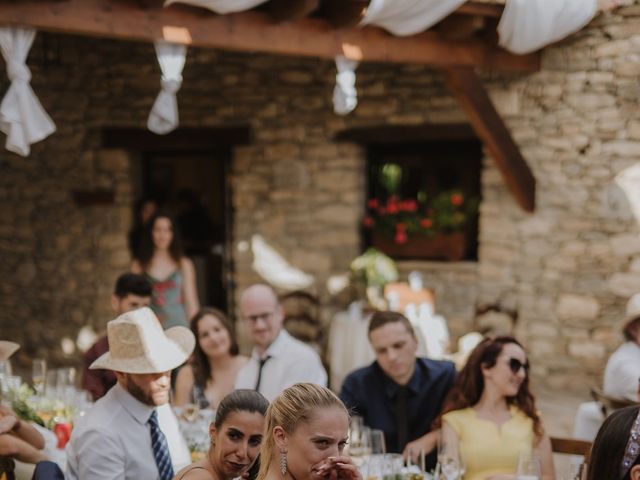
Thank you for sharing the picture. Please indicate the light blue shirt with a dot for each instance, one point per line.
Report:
(113, 440)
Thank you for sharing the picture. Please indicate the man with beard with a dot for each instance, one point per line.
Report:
(131, 432)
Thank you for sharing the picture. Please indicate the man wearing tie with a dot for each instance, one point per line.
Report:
(399, 393)
(278, 360)
(131, 433)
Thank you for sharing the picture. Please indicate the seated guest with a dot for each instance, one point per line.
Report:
(306, 432)
(615, 453)
(620, 375)
(215, 363)
(399, 393)
(131, 432)
(491, 413)
(18, 439)
(278, 360)
(235, 435)
(131, 291)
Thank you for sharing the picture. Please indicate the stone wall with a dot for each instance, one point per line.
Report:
(567, 269)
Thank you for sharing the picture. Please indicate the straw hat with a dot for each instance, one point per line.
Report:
(137, 344)
(7, 349)
(632, 312)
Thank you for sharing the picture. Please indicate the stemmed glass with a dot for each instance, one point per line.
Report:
(528, 467)
(359, 446)
(39, 375)
(450, 462)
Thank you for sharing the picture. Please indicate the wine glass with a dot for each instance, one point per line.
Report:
(39, 375)
(359, 446)
(449, 459)
(528, 467)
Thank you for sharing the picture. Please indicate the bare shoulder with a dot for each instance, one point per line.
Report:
(195, 471)
(136, 267)
(185, 373)
(186, 264)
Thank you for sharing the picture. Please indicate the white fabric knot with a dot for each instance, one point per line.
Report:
(17, 70)
(163, 117)
(22, 117)
(171, 85)
(345, 95)
(220, 6)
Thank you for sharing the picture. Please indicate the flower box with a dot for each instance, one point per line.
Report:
(441, 246)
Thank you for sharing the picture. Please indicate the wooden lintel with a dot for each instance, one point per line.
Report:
(256, 32)
(183, 138)
(481, 9)
(405, 134)
(288, 10)
(489, 126)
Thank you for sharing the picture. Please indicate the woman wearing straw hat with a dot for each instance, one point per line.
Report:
(132, 433)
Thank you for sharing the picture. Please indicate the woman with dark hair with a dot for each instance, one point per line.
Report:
(491, 413)
(172, 275)
(305, 434)
(143, 210)
(215, 363)
(616, 449)
(236, 435)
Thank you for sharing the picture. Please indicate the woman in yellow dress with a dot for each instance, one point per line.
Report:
(491, 415)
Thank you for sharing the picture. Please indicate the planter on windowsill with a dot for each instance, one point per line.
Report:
(441, 246)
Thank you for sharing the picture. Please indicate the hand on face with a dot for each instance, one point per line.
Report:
(338, 468)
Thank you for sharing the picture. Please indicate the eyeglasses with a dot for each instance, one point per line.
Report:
(260, 316)
(515, 365)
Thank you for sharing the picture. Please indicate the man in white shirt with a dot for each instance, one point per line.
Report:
(621, 375)
(131, 433)
(278, 360)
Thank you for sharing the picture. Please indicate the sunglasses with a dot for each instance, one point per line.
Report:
(515, 365)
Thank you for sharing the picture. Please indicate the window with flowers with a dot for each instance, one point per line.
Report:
(423, 199)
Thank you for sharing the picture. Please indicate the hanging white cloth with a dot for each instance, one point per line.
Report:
(220, 6)
(345, 95)
(22, 117)
(276, 269)
(408, 17)
(528, 25)
(164, 113)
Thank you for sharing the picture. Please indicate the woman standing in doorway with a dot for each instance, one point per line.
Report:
(172, 275)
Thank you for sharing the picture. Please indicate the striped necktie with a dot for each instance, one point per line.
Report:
(160, 449)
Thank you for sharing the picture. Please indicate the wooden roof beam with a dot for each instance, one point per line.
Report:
(256, 32)
(288, 10)
(489, 126)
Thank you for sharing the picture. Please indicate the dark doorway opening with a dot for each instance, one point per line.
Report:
(187, 172)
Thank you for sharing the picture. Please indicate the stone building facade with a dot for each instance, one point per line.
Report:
(567, 269)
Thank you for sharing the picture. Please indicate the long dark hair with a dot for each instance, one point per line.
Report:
(610, 444)
(469, 384)
(147, 247)
(200, 363)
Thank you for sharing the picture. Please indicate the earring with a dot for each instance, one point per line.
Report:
(283, 462)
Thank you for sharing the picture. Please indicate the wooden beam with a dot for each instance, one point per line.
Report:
(482, 9)
(344, 13)
(180, 139)
(460, 27)
(489, 126)
(288, 10)
(254, 31)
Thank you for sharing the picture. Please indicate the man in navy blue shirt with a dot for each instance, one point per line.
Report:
(399, 393)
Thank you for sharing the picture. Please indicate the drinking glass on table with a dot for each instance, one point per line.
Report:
(359, 446)
(528, 467)
(450, 463)
(39, 375)
(376, 442)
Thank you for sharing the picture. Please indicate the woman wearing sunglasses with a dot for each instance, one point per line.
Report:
(491, 415)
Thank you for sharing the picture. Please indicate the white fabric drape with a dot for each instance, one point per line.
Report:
(22, 117)
(345, 95)
(220, 6)
(408, 17)
(164, 113)
(528, 25)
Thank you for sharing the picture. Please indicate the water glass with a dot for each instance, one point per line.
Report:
(376, 442)
(39, 375)
(528, 467)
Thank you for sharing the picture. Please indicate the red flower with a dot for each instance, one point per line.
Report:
(372, 203)
(401, 237)
(426, 223)
(457, 199)
(410, 205)
(368, 222)
(393, 208)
